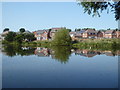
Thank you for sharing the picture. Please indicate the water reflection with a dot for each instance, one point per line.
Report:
(61, 53)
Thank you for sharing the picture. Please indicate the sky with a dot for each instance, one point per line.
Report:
(44, 15)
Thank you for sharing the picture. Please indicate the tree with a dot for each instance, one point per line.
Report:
(77, 29)
(22, 30)
(6, 29)
(19, 38)
(10, 36)
(62, 37)
(29, 36)
(95, 8)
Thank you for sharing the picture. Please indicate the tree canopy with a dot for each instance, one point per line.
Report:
(22, 30)
(6, 29)
(62, 37)
(10, 36)
(95, 8)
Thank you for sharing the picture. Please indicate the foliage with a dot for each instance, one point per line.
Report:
(62, 53)
(19, 38)
(95, 8)
(6, 29)
(29, 37)
(22, 30)
(105, 44)
(62, 37)
(13, 50)
(10, 36)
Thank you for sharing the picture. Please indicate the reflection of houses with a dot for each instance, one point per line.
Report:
(86, 53)
(110, 34)
(89, 53)
(42, 52)
(109, 53)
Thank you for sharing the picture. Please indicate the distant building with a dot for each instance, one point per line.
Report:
(2, 36)
(72, 35)
(47, 34)
(110, 34)
(118, 34)
(90, 33)
(41, 34)
(79, 34)
(100, 34)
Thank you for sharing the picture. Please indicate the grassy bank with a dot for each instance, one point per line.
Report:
(98, 44)
(102, 44)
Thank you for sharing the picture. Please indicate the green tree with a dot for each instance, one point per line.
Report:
(22, 30)
(19, 38)
(10, 36)
(62, 37)
(29, 36)
(6, 29)
(95, 8)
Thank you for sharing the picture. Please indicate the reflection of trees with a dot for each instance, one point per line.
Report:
(11, 50)
(61, 53)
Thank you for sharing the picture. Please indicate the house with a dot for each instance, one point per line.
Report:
(72, 35)
(4, 34)
(90, 33)
(118, 34)
(110, 34)
(79, 34)
(100, 34)
(41, 34)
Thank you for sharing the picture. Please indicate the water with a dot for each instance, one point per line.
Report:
(59, 67)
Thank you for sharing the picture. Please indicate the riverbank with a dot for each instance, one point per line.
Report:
(98, 44)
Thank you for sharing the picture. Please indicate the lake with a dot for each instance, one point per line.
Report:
(59, 67)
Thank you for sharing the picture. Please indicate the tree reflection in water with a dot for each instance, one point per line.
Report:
(61, 53)
(13, 50)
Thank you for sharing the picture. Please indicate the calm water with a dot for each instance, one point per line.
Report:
(59, 67)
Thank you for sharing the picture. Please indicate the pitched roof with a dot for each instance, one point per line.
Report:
(57, 28)
(81, 31)
(41, 31)
(109, 31)
(91, 31)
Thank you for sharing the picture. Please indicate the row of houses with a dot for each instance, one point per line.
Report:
(90, 33)
(48, 34)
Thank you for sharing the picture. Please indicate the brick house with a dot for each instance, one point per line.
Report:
(47, 34)
(79, 34)
(110, 34)
(90, 33)
(118, 34)
(100, 34)
(41, 34)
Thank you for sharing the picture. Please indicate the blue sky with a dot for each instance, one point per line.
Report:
(42, 15)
